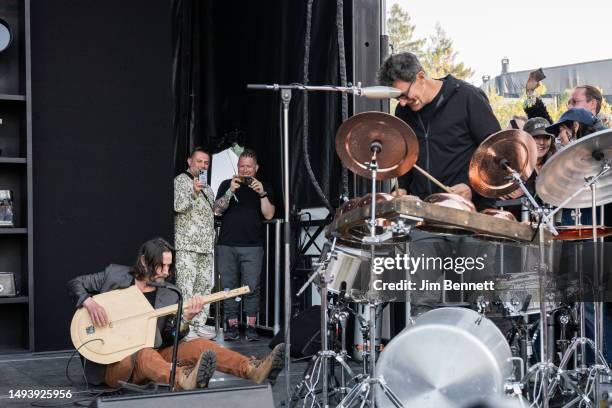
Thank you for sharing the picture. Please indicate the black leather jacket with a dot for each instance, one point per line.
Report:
(118, 277)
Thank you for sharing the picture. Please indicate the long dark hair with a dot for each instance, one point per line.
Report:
(153, 253)
(584, 130)
(551, 150)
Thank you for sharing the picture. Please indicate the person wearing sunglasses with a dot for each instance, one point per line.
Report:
(585, 97)
(450, 118)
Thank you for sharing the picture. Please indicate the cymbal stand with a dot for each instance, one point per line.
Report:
(319, 364)
(545, 367)
(538, 210)
(365, 391)
(600, 366)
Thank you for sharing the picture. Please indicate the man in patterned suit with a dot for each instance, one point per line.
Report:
(194, 236)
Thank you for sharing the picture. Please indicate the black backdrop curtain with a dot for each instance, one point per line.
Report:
(219, 47)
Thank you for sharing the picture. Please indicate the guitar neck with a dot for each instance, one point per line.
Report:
(214, 297)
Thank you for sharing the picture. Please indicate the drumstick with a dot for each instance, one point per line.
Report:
(433, 179)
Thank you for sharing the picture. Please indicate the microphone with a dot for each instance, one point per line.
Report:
(377, 92)
(370, 92)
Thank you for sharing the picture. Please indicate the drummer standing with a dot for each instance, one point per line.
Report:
(450, 118)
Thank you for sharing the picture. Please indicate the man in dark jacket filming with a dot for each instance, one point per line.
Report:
(450, 118)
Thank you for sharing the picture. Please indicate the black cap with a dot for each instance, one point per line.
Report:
(537, 127)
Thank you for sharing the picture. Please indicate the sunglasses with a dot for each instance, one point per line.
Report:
(404, 96)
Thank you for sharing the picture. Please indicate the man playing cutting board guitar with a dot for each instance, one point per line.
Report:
(197, 358)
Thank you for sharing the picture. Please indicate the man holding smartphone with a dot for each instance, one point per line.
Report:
(243, 203)
(194, 236)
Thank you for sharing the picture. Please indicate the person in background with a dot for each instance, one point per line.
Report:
(583, 96)
(573, 125)
(194, 236)
(243, 203)
(536, 127)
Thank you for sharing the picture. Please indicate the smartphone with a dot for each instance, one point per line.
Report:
(203, 176)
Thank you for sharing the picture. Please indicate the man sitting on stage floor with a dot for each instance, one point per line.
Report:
(196, 358)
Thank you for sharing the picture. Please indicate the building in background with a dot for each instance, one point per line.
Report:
(558, 79)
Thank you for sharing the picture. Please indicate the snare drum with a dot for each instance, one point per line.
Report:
(343, 270)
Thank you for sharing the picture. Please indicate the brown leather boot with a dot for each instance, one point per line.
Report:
(269, 367)
(200, 374)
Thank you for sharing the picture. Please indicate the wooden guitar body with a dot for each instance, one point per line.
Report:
(132, 324)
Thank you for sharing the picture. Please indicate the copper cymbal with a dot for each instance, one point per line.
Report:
(493, 212)
(348, 206)
(366, 200)
(451, 201)
(399, 146)
(361, 202)
(487, 176)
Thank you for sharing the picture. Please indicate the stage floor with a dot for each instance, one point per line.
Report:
(47, 371)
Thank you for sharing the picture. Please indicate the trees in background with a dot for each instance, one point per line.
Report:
(435, 53)
(439, 58)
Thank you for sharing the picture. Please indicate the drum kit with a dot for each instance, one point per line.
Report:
(453, 356)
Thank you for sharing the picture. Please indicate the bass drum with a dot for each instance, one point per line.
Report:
(449, 357)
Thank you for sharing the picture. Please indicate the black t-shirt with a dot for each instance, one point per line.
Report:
(242, 222)
(151, 296)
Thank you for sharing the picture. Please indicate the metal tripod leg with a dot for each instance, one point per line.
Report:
(390, 394)
(364, 389)
(357, 390)
(597, 368)
(312, 370)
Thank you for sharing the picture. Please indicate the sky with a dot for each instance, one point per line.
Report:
(531, 33)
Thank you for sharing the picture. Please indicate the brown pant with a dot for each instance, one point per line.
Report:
(154, 365)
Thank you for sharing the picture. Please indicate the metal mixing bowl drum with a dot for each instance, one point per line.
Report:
(449, 357)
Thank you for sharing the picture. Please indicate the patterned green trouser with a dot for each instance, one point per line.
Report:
(194, 276)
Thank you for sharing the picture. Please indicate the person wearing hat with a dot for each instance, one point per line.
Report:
(583, 96)
(536, 127)
(573, 124)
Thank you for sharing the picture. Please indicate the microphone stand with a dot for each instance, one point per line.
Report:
(285, 100)
(177, 327)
